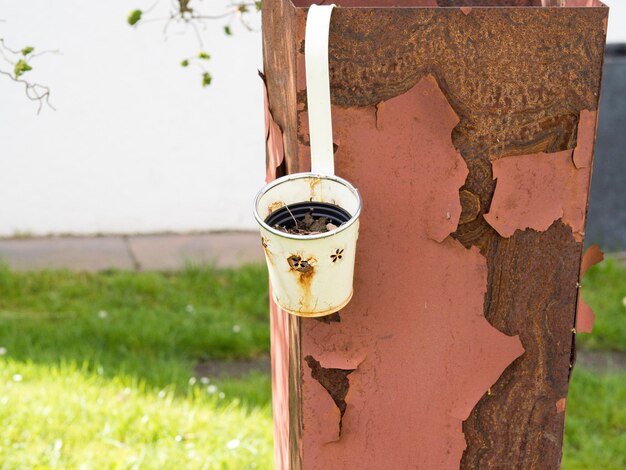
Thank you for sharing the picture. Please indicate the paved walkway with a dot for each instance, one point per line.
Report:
(140, 252)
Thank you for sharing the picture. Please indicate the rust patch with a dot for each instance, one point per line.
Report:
(470, 204)
(275, 206)
(335, 382)
(300, 265)
(560, 405)
(332, 318)
(266, 250)
(532, 191)
(314, 184)
(531, 292)
(304, 269)
(466, 10)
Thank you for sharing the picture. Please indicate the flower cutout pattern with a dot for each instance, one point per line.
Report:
(300, 265)
(338, 254)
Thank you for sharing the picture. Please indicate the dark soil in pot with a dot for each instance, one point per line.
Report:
(308, 218)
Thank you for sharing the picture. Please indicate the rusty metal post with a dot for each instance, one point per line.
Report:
(469, 132)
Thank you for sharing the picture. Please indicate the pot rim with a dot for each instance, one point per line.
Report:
(296, 176)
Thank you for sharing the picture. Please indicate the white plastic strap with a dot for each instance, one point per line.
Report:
(318, 89)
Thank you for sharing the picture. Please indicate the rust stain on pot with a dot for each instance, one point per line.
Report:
(304, 270)
(302, 266)
(266, 250)
(585, 318)
(314, 185)
(275, 206)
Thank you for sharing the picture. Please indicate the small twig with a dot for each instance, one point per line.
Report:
(294, 219)
(4, 45)
(32, 91)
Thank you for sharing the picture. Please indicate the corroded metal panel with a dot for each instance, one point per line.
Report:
(457, 347)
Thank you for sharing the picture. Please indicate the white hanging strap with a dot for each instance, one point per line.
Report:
(318, 89)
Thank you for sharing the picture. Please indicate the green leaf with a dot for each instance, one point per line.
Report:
(21, 67)
(228, 31)
(206, 79)
(257, 4)
(27, 50)
(184, 63)
(203, 55)
(134, 17)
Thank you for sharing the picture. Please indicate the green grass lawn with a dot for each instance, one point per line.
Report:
(97, 372)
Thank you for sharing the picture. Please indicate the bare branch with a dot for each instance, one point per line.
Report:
(21, 64)
(34, 91)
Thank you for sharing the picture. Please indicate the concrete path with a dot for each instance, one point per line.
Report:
(140, 252)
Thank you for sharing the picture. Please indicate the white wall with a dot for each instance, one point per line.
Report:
(136, 144)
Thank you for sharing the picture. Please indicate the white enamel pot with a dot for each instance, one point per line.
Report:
(311, 275)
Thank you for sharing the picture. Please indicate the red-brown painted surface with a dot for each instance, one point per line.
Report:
(279, 319)
(585, 317)
(273, 141)
(279, 325)
(422, 350)
(586, 136)
(532, 191)
(418, 369)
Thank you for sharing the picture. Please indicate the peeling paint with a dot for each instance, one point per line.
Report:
(335, 381)
(417, 313)
(321, 416)
(466, 10)
(430, 317)
(585, 318)
(583, 153)
(273, 140)
(592, 256)
(532, 191)
(560, 405)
